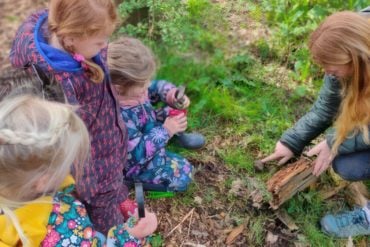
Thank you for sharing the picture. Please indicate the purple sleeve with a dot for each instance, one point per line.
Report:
(160, 90)
(143, 146)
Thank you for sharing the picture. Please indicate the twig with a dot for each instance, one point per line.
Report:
(190, 221)
(194, 245)
(182, 221)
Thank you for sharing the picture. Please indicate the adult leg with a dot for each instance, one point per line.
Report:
(351, 167)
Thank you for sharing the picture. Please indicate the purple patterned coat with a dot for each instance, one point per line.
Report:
(101, 187)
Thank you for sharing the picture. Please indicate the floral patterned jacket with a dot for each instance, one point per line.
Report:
(62, 222)
(147, 136)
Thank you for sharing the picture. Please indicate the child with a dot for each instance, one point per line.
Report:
(131, 66)
(68, 40)
(39, 142)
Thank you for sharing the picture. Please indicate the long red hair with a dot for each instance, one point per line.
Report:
(82, 19)
(344, 39)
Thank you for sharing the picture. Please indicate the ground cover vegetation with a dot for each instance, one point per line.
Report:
(248, 72)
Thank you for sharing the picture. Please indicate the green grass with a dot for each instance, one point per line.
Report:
(256, 230)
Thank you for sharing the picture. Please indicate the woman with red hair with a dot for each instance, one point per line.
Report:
(341, 46)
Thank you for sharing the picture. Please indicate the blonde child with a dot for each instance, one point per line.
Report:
(69, 40)
(131, 67)
(39, 142)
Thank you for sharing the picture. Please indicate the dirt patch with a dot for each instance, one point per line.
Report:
(208, 217)
(13, 12)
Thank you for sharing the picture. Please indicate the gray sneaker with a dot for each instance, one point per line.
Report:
(349, 223)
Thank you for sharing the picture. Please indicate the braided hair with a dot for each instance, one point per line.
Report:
(40, 141)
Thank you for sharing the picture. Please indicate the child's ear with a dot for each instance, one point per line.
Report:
(68, 41)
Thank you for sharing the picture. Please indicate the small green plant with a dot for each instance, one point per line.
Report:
(156, 240)
(293, 21)
(181, 25)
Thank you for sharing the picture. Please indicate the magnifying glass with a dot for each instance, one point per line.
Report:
(139, 194)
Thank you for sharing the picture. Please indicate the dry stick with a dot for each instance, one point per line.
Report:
(190, 221)
(194, 245)
(182, 221)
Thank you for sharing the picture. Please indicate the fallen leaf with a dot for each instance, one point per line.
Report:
(271, 238)
(236, 187)
(234, 234)
(198, 200)
(199, 234)
(286, 219)
(350, 242)
(257, 198)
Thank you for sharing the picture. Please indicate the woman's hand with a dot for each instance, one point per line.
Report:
(145, 226)
(282, 152)
(324, 157)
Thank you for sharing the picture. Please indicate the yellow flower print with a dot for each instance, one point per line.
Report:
(64, 208)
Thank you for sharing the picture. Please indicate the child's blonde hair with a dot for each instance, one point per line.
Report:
(39, 141)
(82, 19)
(344, 39)
(130, 62)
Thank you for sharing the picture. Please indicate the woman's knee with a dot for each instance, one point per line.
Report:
(346, 170)
(341, 170)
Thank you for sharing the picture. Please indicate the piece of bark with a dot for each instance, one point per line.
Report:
(285, 183)
(326, 194)
(286, 219)
(234, 234)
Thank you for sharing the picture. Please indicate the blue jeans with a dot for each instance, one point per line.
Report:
(353, 166)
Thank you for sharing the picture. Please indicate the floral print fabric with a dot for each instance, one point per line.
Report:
(69, 225)
(148, 160)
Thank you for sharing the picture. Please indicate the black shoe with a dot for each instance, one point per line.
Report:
(190, 140)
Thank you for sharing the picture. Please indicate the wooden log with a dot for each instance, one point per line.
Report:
(288, 181)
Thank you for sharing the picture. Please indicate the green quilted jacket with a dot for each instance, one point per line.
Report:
(318, 119)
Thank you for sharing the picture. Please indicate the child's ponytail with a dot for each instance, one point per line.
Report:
(95, 72)
(40, 142)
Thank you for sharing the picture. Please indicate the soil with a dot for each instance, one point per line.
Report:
(12, 13)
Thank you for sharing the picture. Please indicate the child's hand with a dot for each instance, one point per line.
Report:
(145, 226)
(176, 124)
(178, 99)
(182, 103)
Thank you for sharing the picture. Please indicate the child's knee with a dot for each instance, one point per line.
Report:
(181, 183)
